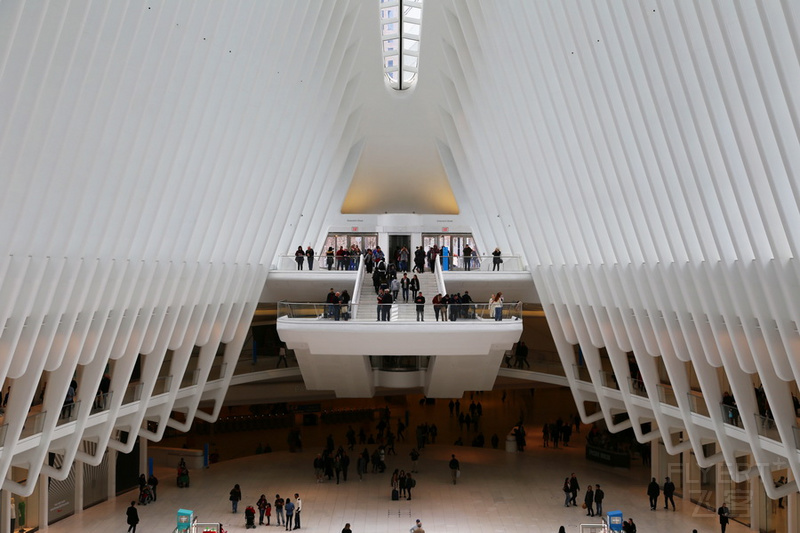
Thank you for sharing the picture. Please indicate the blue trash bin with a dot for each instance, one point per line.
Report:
(615, 520)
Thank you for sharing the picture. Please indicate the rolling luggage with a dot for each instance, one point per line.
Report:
(395, 494)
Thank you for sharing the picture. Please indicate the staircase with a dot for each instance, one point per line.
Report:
(367, 302)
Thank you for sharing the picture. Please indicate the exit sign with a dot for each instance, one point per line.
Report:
(354, 228)
(444, 230)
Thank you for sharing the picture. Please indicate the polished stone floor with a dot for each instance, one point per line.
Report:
(498, 491)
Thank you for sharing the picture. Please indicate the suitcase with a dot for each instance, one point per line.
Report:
(395, 494)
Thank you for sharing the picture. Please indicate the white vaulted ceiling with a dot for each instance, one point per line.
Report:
(155, 156)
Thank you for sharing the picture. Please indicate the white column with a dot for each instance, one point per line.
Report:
(655, 460)
(44, 502)
(142, 456)
(78, 466)
(5, 503)
(111, 472)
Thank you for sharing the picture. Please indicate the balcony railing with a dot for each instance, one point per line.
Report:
(69, 413)
(766, 428)
(101, 403)
(730, 415)
(34, 423)
(636, 387)
(3, 432)
(697, 404)
(481, 263)
(397, 312)
(609, 379)
(581, 373)
(346, 264)
(666, 395)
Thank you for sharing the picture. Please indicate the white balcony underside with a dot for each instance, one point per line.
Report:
(335, 355)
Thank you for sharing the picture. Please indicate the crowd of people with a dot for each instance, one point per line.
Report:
(287, 511)
(404, 261)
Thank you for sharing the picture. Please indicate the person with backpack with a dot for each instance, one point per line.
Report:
(410, 484)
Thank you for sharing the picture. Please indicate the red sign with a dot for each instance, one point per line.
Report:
(445, 230)
(354, 228)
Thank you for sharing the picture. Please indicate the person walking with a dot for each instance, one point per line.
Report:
(588, 501)
(132, 517)
(298, 506)
(410, 484)
(598, 500)
(567, 492)
(653, 492)
(455, 468)
(279, 516)
(724, 514)
(574, 487)
(420, 301)
(236, 496)
(669, 491)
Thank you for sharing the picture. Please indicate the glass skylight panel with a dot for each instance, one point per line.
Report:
(401, 23)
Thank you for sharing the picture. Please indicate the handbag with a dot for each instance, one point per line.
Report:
(583, 506)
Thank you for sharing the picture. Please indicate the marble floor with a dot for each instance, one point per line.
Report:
(498, 491)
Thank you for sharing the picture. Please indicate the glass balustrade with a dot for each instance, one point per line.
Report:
(399, 312)
(101, 403)
(581, 373)
(133, 393)
(636, 387)
(3, 432)
(730, 415)
(697, 404)
(481, 263)
(766, 428)
(69, 412)
(346, 264)
(34, 423)
(666, 395)
(609, 379)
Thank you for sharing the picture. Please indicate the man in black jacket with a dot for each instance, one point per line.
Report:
(669, 490)
(653, 492)
(420, 301)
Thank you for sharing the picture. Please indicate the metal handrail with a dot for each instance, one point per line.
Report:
(481, 263)
(357, 289)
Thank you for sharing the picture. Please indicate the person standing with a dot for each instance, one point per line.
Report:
(346, 528)
(496, 259)
(669, 491)
(405, 285)
(574, 487)
(588, 500)
(262, 508)
(724, 514)
(288, 507)
(153, 482)
(298, 506)
(455, 468)
(653, 492)
(236, 495)
(133, 517)
(310, 257)
(299, 257)
(598, 499)
(279, 509)
(419, 299)
(329, 255)
(466, 252)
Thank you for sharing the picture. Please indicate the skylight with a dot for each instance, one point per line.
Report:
(401, 21)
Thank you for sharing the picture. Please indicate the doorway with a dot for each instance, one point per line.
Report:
(396, 243)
